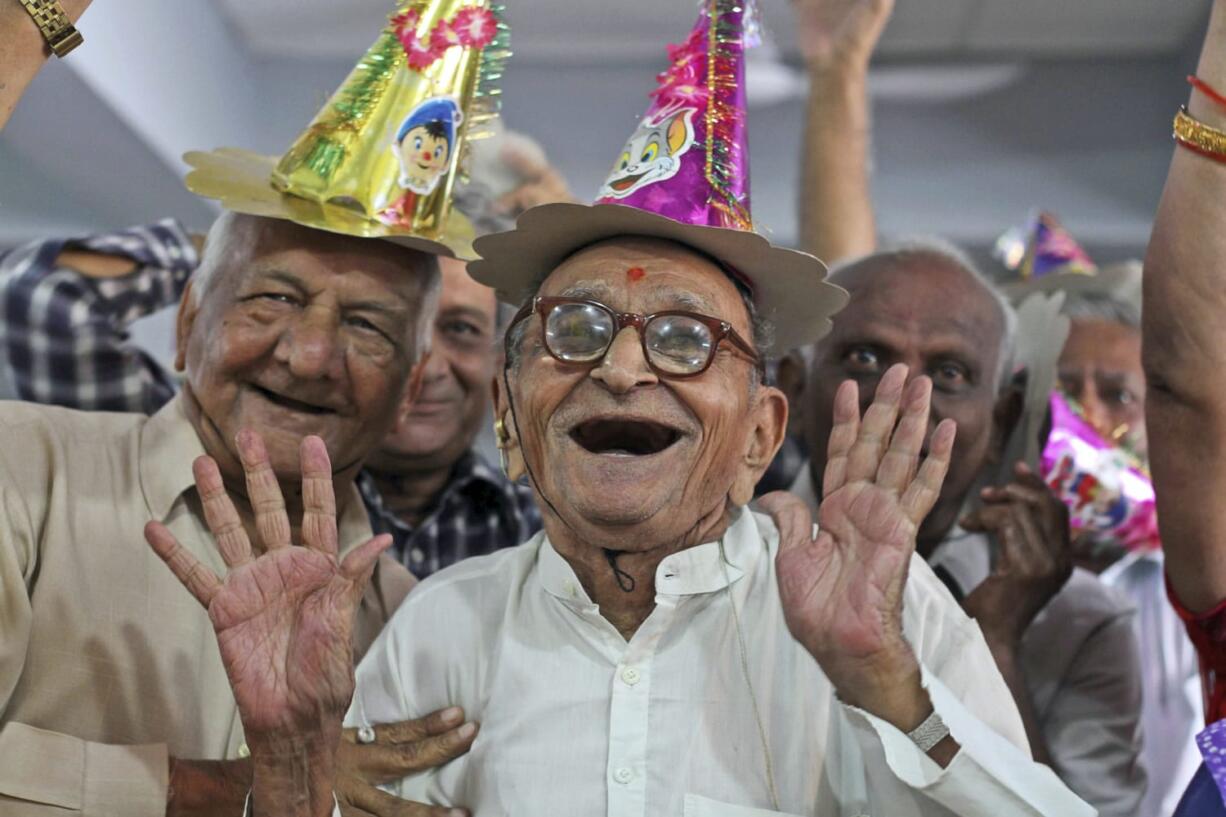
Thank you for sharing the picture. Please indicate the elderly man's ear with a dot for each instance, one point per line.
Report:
(506, 435)
(769, 423)
(184, 318)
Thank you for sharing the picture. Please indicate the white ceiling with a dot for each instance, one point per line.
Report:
(592, 31)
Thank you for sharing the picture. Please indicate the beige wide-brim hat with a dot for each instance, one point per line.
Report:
(242, 182)
(790, 289)
(1120, 280)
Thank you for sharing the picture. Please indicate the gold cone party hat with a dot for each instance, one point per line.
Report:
(382, 158)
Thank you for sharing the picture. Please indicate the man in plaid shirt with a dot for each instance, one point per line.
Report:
(66, 308)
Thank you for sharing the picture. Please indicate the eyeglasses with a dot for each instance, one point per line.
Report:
(676, 343)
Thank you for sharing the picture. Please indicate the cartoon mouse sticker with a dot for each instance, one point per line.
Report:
(652, 154)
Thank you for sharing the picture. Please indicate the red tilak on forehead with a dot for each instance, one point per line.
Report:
(636, 273)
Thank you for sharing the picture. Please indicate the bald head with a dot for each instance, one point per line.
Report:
(934, 279)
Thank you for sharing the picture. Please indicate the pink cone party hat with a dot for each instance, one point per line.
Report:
(683, 175)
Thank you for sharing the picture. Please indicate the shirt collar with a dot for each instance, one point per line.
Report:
(691, 572)
(169, 445)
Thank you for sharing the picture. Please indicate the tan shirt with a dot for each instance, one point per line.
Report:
(107, 665)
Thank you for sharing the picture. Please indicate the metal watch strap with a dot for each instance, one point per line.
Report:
(929, 733)
(57, 29)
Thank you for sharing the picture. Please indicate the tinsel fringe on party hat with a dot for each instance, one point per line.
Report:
(381, 159)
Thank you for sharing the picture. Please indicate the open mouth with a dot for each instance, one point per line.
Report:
(635, 438)
(290, 403)
(626, 182)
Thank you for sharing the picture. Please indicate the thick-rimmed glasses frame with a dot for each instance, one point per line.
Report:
(720, 329)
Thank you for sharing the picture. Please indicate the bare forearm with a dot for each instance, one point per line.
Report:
(208, 788)
(836, 211)
(1185, 351)
(23, 51)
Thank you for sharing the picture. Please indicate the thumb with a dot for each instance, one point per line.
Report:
(791, 516)
(360, 562)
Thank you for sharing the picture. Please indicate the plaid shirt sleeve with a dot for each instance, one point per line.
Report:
(64, 335)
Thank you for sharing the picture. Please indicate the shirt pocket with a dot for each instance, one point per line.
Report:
(699, 806)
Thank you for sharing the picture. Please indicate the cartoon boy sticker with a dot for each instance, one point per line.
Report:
(424, 145)
(652, 154)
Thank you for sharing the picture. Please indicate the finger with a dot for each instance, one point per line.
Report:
(987, 519)
(791, 516)
(1042, 552)
(219, 513)
(359, 563)
(384, 763)
(386, 805)
(198, 579)
(846, 425)
(436, 723)
(877, 426)
(901, 460)
(318, 497)
(924, 490)
(263, 491)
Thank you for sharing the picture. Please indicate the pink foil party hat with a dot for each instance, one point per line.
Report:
(682, 176)
(688, 159)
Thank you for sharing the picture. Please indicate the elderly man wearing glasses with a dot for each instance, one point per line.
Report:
(658, 649)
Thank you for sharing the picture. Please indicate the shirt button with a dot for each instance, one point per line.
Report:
(631, 676)
(417, 555)
(243, 751)
(623, 775)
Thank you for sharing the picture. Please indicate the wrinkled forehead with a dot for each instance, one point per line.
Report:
(249, 246)
(926, 298)
(648, 275)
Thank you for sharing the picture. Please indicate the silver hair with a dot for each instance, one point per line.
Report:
(232, 233)
(1101, 306)
(945, 251)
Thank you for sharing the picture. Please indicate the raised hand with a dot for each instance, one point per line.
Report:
(839, 30)
(1031, 527)
(283, 620)
(842, 591)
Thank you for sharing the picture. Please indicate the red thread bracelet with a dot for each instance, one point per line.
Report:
(1208, 154)
(1206, 89)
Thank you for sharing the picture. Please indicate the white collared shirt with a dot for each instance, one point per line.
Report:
(577, 721)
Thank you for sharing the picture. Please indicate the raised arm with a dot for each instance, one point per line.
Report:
(1185, 351)
(837, 38)
(23, 50)
(67, 306)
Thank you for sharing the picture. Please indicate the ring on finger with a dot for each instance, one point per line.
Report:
(366, 734)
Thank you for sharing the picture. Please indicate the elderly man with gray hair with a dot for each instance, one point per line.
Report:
(1063, 642)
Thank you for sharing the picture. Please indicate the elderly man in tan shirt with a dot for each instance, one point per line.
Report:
(109, 671)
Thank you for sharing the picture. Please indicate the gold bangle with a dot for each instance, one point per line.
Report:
(1191, 131)
(57, 29)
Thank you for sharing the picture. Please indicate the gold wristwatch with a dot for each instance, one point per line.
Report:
(57, 29)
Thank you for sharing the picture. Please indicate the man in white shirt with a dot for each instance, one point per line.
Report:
(1063, 642)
